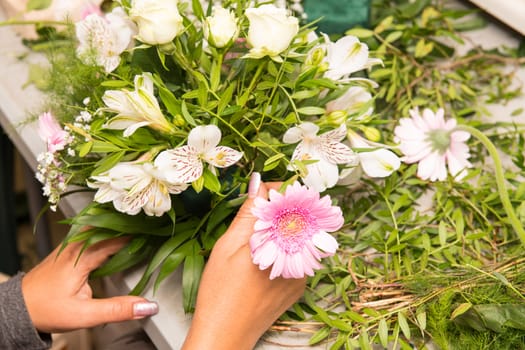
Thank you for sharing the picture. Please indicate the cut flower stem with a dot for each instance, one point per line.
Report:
(500, 179)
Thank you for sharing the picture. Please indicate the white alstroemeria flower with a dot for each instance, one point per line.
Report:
(159, 21)
(379, 161)
(103, 39)
(326, 148)
(346, 56)
(351, 102)
(135, 186)
(136, 108)
(185, 164)
(271, 30)
(221, 29)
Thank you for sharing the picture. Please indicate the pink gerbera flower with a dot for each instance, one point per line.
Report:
(432, 141)
(291, 231)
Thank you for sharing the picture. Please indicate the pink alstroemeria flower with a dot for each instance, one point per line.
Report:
(51, 133)
(432, 141)
(291, 231)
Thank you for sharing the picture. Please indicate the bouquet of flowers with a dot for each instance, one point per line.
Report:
(163, 109)
(187, 103)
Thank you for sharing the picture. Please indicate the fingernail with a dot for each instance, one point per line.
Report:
(253, 186)
(145, 309)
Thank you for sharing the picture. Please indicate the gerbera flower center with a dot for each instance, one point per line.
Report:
(291, 224)
(292, 227)
(439, 140)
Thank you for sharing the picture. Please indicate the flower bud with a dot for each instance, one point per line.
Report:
(159, 21)
(271, 30)
(371, 133)
(336, 118)
(178, 120)
(221, 28)
(316, 57)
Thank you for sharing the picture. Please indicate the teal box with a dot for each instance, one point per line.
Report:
(338, 15)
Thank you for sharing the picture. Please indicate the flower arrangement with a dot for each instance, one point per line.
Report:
(218, 99)
(170, 106)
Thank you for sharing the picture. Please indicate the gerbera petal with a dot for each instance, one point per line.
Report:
(265, 256)
(325, 242)
(278, 265)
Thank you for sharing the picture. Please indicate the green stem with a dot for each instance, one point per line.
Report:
(500, 179)
(24, 23)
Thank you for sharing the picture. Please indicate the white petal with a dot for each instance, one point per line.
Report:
(130, 130)
(326, 242)
(180, 165)
(337, 152)
(302, 131)
(223, 157)
(204, 138)
(158, 199)
(321, 175)
(379, 163)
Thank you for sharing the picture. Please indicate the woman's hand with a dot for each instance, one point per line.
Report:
(237, 302)
(59, 298)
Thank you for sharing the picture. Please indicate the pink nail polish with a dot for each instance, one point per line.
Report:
(145, 309)
(253, 186)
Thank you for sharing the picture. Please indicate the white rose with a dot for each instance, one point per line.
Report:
(221, 28)
(159, 21)
(271, 30)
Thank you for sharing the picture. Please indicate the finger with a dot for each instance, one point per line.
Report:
(116, 309)
(98, 253)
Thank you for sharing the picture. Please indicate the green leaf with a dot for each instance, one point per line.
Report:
(171, 263)
(189, 119)
(197, 9)
(319, 336)
(85, 148)
(104, 147)
(393, 36)
(442, 231)
(124, 259)
(38, 4)
(382, 331)
(108, 162)
(311, 110)
(115, 83)
(493, 317)
(211, 181)
(191, 276)
(403, 324)
(364, 340)
(460, 310)
(162, 253)
(361, 33)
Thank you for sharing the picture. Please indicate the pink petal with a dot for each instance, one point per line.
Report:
(325, 242)
(278, 265)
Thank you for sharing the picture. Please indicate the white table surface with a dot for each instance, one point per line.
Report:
(168, 328)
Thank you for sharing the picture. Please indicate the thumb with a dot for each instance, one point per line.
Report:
(116, 309)
(244, 219)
